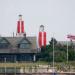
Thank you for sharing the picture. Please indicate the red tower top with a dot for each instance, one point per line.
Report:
(20, 27)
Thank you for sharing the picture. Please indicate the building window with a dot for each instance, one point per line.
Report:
(3, 45)
(24, 46)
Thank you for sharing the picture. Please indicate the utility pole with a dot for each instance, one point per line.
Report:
(53, 55)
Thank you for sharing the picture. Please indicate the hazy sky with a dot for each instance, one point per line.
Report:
(58, 17)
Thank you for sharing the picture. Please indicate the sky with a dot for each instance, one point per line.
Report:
(58, 17)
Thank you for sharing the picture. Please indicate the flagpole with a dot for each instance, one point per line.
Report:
(67, 51)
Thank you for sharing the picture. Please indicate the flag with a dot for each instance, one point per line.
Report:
(72, 37)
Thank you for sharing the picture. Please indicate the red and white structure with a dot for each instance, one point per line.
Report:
(20, 27)
(42, 37)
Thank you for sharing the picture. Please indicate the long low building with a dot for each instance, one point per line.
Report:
(18, 49)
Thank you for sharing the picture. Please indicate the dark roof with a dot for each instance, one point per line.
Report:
(65, 42)
(14, 41)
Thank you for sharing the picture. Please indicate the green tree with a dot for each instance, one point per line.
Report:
(53, 40)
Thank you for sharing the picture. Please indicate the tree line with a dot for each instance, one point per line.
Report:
(60, 52)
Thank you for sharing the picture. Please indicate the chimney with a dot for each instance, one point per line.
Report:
(13, 34)
(24, 35)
